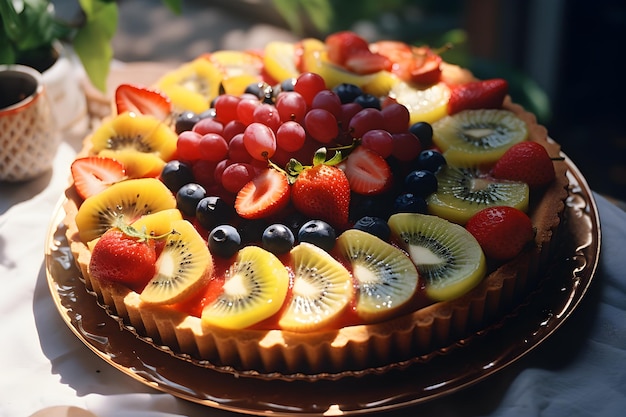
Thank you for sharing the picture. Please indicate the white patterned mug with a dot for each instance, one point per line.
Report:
(28, 135)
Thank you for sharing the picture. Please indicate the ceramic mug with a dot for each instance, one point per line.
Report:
(28, 135)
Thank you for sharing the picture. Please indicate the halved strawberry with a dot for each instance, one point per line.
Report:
(367, 172)
(486, 94)
(93, 174)
(265, 195)
(142, 100)
(352, 52)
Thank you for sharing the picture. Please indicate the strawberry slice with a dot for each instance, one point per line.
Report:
(265, 195)
(367, 172)
(487, 94)
(142, 100)
(352, 52)
(93, 174)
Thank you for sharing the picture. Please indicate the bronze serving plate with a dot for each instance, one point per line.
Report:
(452, 369)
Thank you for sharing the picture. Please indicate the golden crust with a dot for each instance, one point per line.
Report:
(351, 348)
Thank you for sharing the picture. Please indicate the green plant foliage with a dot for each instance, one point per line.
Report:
(29, 28)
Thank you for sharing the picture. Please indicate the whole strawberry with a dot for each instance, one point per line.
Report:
(121, 257)
(501, 231)
(486, 94)
(321, 191)
(527, 162)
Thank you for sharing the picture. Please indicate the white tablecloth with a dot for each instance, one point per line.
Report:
(578, 371)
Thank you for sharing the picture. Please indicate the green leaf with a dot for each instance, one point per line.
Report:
(175, 6)
(320, 12)
(93, 41)
(290, 11)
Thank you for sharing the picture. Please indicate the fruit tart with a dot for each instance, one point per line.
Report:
(323, 208)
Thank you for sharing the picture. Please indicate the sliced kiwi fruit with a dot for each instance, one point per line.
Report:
(322, 290)
(255, 288)
(478, 138)
(138, 132)
(462, 192)
(157, 224)
(128, 200)
(386, 278)
(183, 267)
(448, 258)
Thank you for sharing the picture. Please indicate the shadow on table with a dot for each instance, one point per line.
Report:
(12, 193)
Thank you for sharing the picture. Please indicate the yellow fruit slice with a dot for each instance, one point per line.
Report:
(142, 133)
(255, 287)
(137, 164)
(239, 69)
(322, 290)
(448, 257)
(279, 59)
(425, 105)
(159, 223)
(183, 267)
(462, 192)
(386, 278)
(192, 86)
(128, 200)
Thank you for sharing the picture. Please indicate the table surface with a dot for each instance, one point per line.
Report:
(579, 371)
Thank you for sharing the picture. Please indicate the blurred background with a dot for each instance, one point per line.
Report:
(564, 60)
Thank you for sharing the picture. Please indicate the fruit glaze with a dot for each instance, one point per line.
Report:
(320, 207)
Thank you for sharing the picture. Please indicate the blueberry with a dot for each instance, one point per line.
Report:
(212, 211)
(409, 203)
(318, 233)
(347, 92)
(375, 226)
(188, 197)
(224, 241)
(430, 160)
(361, 206)
(368, 101)
(262, 90)
(185, 121)
(278, 239)
(175, 174)
(420, 182)
(287, 84)
(424, 132)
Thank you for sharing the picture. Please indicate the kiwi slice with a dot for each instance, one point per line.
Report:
(183, 267)
(462, 192)
(128, 200)
(157, 224)
(322, 290)
(448, 257)
(474, 138)
(138, 132)
(385, 276)
(255, 288)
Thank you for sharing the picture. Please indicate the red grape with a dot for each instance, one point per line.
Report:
(233, 128)
(236, 175)
(213, 147)
(226, 107)
(396, 118)
(188, 145)
(268, 115)
(291, 106)
(290, 136)
(406, 146)
(321, 125)
(208, 125)
(378, 140)
(260, 141)
(245, 109)
(237, 151)
(308, 84)
(366, 119)
(327, 100)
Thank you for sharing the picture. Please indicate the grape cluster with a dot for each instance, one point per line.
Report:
(218, 152)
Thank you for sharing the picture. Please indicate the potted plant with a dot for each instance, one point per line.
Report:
(32, 34)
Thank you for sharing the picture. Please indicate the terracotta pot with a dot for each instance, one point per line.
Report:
(28, 134)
